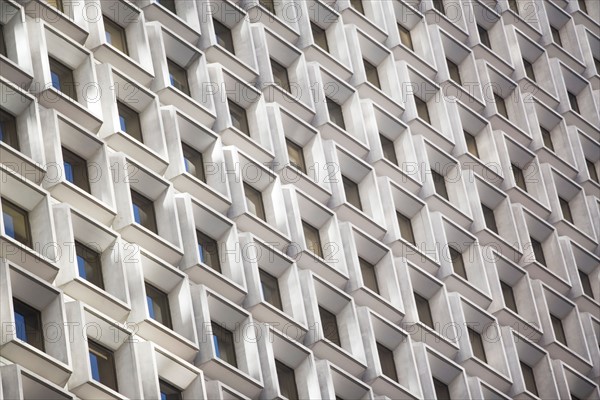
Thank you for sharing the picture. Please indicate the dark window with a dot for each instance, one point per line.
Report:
(28, 324)
(439, 5)
(62, 78)
(269, 285)
(406, 229)
(439, 182)
(280, 75)
(319, 36)
(312, 238)
(514, 6)
(286, 378)
(422, 109)
(76, 170)
(490, 219)
(538, 251)
(597, 65)
(358, 6)
(8, 130)
(239, 117)
(529, 378)
(369, 276)
(559, 330)
(168, 391)
(224, 37)
(424, 310)
(591, 167)
(193, 161)
(268, 4)
(296, 155)
(2, 41)
(208, 250)
(471, 144)
(582, 6)
(89, 264)
(115, 35)
(458, 262)
(129, 121)
(143, 211)
(169, 5)
(573, 102)
(330, 326)
(254, 201)
(585, 283)
(386, 359)
(158, 305)
(566, 209)
(477, 344)
(509, 296)
(224, 344)
(529, 69)
(556, 36)
(547, 138)
(58, 4)
(178, 77)
(389, 151)
(335, 113)
(442, 391)
(372, 74)
(501, 105)
(352, 192)
(405, 37)
(16, 222)
(454, 71)
(102, 364)
(484, 36)
(519, 177)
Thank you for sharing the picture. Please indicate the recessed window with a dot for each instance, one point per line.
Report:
(62, 78)
(280, 75)
(547, 138)
(178, 77)
(369, 276)
(454, 71)
(330, 326)
(439, 5)
(208, 250)
(477, 344)
(597, 65)
(389, 150)
(565, 208)
(422, 109)
(585, 283)
(286, 378)
(2, 41)
(143, 211)
(591, 167)
(509, 296)
(529, 378)
(519, 177)
(514, 6)
(89, 264)
(439, 183)
(193, 161)
(406, 228)
(268, 4)
(254, 201)
(573, 102)
(16, 222)
(471, 143)
(529, 69)
(129, 121)
(312, 238)
(158, 305)
(224, 344)
(424, 310)
(169, 5)
(501, 105)
(115, 35)
(386, 360)
(269, 286)
(239, 117)
(582, 6)
(556, 36)
(458, 262)
(8, 130)
(558, 328)
(296, 155)
(335, 113)
(484, 36)
(224, 37)
(372, 74)
(76, 170)
(352, 192)
(168, 391)
(319, 36)
(538, 251)
(405, 37)
(28, 324)
(358, 6)
(58, 4)
(102, 364)
(442, 391)
(490, 218)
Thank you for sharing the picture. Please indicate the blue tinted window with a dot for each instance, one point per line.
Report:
(201, 252)
(9, 226)
(150, 307)
(81, 267)
(122, 123)
(20, 325)
(69, 172)
(108, 37)
(216, 343)
(94, 366)
(55, 80)
(136, 214)
(2, 128)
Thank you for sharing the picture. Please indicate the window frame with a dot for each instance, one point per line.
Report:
(484, 36)
(223, 336)
(286, 373)
(489, 217)
(299, 153)
(529, 378)
(529, 71)
(224, 36)
(150, 211)
(372, 73)
(477, 347)
(130, 117)
(255, 197)
(406, 37)
(558, 329)
(30, 315)
(329, 321)
(387, 361)
(406, 222)
(336, 113)
(319, 36)
(91, 258)
(275, 298)
(209, 243)
(389, 149)
(108, 355)
(439, 183)
(64, 77)
(8, 122)
(79, 169)
(565, 209)
(422, 109)
(280, 75)
(182, 84)
(239, 117)
(368, 274)
(424, 310)
(471, 143)
(458, 263)
(156, 297)
(508, 295)
(163, 385)
(27, 239)
(198, 164)
(454, 71)
(352, 192)
(314, 234)
(538, 251)
(110, 28)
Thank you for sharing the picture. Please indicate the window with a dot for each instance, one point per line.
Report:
(423, 310)
(89, 264)
(169, 5)
(372, 74)
(582, 6)
(158, 305)
(422, 110)
(529, 378)
(597, 65)
(296, 155)
(168, 391)
(143, 211)
(514, 6)
(28, 324)
(509, 296)
(556, 36)
(330, 326)
(224, 344)
(442, 391)
(224, 37)
(501, 105)
(2, 41)
(268, 4)
(239, 118)
(16, 222)
(458, 262)
(585, 283)
(335, 113)
(490, 219)
(56, 4)
(439, 5)
(115, 35)
(129, 120)
(439, 182)
(573, 102)
(209, 251)
(529, 69)
(477, 344)
(352, 192)
(194, 164)
(592, 170)
(405, 37)
(270, 289)
(538, 251)
(566, 209)
(559, 330)
(406, 228)
(76, 170)
(389, 151)
(319, 36)
(286, 378)
(519, 177)
(102, 364)
(367, 271)
(312, 238)
(62, 78)
(454, 71)
(547, 138)
(484, 36)
(8, 130)
(178, 77)
(386, 359)
(358, 6)
(280, 75)
(471, 144)
(254, 201)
